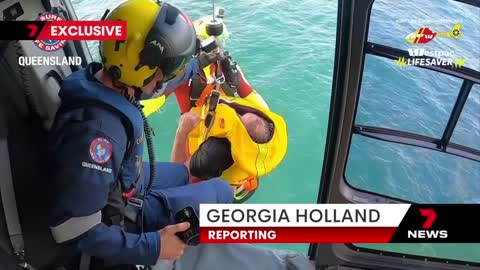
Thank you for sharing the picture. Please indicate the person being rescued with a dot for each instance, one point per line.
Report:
(246, 140)
(232, 138)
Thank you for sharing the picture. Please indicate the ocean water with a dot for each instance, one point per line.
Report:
(286, 50)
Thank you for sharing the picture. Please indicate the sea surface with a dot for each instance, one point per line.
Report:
(286, 50)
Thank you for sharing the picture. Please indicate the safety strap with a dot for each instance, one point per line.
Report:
(205, 94)
(196, 89)
(227, 80)
(213, 100)
(85, 261)
(245, 190)
(7, 194)
(232, 74)
(219, 76)
(221, 82)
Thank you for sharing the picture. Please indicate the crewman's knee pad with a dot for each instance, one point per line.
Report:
(167, 174)
(176, 170)
(223, 189)
(209, 191)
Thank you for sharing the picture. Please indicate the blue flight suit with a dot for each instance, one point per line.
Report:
(88, 153)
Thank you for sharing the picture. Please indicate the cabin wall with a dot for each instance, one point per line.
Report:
(23, 156)
(22, 72)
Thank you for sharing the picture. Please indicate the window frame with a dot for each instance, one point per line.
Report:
(443, 144)
(352, 46)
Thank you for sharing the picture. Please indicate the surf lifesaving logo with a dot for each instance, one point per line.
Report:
(100, 150)
(424, 34)
(50, 45)
(420, 55)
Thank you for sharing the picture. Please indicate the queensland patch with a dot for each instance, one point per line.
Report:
(100, 150)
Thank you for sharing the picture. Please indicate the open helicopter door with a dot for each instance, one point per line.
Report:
(356, 153)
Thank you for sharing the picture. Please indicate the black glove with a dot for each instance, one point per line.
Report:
(206, 59)
(230, 70)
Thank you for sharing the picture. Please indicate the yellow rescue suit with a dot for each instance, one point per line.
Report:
(152, 105)
(251, 160)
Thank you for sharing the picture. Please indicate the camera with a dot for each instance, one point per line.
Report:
(191, 236)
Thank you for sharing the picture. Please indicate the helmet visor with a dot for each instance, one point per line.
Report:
(173, 67)
(170, 43)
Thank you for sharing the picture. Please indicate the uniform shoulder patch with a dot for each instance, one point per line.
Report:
(101, 150)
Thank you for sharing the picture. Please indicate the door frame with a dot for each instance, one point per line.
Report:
(351, 47)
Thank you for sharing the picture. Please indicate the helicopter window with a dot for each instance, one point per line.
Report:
(411, 99)
(412, 173)
(438, 18)
(419, 112)
(407, 142)
(467, 130)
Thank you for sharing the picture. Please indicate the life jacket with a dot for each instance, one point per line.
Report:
(251, 160)
(152, 105)
(80, 90)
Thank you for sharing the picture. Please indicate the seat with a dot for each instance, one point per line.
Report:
(28, 103)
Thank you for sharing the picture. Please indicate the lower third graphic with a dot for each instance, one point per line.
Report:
(423, 57)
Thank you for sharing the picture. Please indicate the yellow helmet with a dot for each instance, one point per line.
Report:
(159, 35)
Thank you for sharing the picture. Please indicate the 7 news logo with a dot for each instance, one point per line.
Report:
(427, 232)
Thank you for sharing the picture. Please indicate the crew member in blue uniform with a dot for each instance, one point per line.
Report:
(105, 202)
